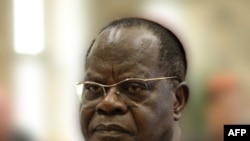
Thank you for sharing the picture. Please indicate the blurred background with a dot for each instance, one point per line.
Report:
(43, 45)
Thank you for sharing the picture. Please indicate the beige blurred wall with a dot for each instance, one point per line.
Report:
(6, 44)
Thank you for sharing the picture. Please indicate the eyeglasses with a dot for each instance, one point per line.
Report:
(133, 88)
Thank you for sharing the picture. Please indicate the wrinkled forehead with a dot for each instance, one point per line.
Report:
(137, 35)
(124, 51)
(123, 42)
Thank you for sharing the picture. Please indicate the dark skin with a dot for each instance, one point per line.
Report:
(117, 54)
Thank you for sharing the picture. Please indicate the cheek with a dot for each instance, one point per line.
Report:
(154, 119)
(86, 116)
(145, 121)
(164, 104)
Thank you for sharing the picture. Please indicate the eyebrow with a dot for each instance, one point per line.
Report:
(93, 76)
(100, 78)
(139, 74)
(97, 76)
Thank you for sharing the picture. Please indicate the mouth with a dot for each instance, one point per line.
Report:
(111, 129)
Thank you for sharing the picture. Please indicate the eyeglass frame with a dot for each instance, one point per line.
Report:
(103, 86)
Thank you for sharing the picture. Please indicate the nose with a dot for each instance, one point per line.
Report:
(112, 104)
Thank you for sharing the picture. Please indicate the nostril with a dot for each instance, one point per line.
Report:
(101, 112)
(115, 111)
(118, 111)
(111, 107)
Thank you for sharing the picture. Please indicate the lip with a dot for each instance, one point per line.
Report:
(111, 129)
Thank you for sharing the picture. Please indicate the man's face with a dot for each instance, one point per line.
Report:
(118, 54)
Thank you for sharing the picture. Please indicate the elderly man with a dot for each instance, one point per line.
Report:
(133, 88)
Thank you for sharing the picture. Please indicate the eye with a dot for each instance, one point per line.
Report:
(92, 91)
(92, 87)
(134, 87)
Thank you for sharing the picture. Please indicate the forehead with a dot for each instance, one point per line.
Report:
(128, 49)
(138, 36)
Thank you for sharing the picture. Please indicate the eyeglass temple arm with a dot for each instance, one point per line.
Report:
(162, 78)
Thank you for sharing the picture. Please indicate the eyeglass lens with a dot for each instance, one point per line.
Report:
(133, 89)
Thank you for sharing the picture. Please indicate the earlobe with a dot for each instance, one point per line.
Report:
(181, 95)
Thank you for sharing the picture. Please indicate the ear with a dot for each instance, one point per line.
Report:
(181, 95)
